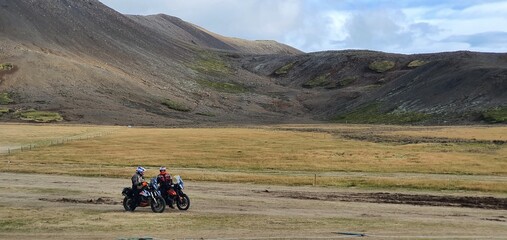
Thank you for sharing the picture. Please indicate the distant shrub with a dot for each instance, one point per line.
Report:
(381, 66)
(6, 66)
(285, 69)
(5, 99)
(495, 115)
(222, 87)
(176, 105)
(416, 63)
(320, 81)
(40, 116)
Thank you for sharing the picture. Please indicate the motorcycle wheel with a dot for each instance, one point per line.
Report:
(127, 204)
(158, 205)
(183, 203)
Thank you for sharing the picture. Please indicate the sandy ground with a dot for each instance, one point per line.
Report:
(92, 210)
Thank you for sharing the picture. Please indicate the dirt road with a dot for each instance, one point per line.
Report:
(66, 207)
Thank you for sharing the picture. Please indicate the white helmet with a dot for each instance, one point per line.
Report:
(140, 170)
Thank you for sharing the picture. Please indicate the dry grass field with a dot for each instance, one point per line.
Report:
(471, 159)
(290, 180)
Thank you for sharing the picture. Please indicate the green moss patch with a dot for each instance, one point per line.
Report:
(222, 87)
(4, 110)
(211, 64)
(6, 66)
(343, 82)
(175, 105)
(41, 116)
(371, 114)
(5, 99)
(495, 115)
(285, 69)
(416, 63)
(320, 81)
(381, 66)
(347, 81)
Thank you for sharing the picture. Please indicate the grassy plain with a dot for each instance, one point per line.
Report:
(461, 158)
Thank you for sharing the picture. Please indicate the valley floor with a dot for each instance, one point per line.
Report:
(38, 206)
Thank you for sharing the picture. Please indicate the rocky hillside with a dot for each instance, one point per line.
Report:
(375, 87)
(79, 61)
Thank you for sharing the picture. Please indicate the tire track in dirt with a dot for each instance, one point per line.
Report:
(398, 198)
(100, 200)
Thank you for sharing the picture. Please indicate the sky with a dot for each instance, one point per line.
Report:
(396, 26)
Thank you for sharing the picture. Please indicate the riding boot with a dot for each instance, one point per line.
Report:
(170, 203)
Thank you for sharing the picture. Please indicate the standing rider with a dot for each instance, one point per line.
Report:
(138, 184)
(165, 180)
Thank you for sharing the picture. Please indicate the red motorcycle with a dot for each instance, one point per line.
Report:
(175, 195)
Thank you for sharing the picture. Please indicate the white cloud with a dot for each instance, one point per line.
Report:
(316, 32)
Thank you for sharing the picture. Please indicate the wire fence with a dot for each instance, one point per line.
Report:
(50, 142)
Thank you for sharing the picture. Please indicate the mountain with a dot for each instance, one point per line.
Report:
(91, 64)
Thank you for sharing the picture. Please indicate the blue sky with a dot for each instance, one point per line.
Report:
(402, 26)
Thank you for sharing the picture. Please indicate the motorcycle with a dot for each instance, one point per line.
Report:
(150, 196)
(175, 195)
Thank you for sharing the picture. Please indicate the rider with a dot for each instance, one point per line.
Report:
(138, 184)
(165, 180)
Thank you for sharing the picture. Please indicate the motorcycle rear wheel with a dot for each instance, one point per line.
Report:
(127, 204)
(183, 203)
(158, 205)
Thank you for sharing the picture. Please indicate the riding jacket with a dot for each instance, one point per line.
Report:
(137, 181)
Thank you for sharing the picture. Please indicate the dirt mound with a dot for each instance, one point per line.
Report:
(399, 198)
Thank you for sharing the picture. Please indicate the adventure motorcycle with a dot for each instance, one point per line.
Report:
(149, 196)
(175, 195)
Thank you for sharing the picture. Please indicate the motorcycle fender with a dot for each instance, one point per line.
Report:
(127, 191)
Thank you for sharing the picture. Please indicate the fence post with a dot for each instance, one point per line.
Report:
(315, 180)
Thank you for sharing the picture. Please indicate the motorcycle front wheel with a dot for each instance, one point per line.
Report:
(183, 203)
(128, 204)
(158, 205)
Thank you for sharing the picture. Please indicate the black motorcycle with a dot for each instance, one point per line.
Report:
(150, 196)
(175, 195)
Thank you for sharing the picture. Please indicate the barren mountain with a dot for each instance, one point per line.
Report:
(91, 64)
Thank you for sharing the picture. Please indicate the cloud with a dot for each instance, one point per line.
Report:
(420, 28)
(370, 30)
(487, 40)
